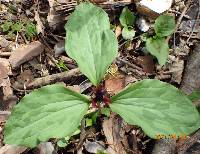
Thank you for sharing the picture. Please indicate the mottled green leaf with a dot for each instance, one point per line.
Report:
(158, 108)
(194, 96)
(90, 42)
(128, 33)
(49, 112)
(164, 25)
(127, 18)
(158, 48)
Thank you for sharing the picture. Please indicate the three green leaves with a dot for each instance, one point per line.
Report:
(55, 112)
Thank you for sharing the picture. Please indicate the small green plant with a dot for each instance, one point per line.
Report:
(54, 111)
(30, 30)
(127, 19)
(12, 28)
(157, 45)
(61, 65)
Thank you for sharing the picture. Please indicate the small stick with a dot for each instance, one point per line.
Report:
(182, 15)
(5, 54)
(38, 82)
(198, 15)
(129, 64)
(179, 13)
(180, 19)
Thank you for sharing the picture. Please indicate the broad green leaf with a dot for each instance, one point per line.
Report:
(158, 48)
(194, 96)
(158, 108)
(49, 112)
(164, 25)
(90, 42)
(127, 18)
(127, 33)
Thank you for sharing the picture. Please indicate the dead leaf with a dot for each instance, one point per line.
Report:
(118, 31)
(93, 147)
(3, 73)
(177, 69)
(6, 64)
(147, 63)
(40, 27)
(115, 84)
(59, 48)
(130, 79)
(25, 77)
(25, 53)
(45, 148)
(3, 42)
(11, 149)
(111, 129)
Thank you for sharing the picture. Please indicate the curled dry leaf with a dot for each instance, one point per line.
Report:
(40, 27)
(118, 31)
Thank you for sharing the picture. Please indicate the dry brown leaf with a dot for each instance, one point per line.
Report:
(45, 148)
(39, 27)
(118, 31)
(115, 84)
(3, 73)
(111, 129)
(25, 53)
(25, 77)
(177, 69)
(147, 63)
(11, 149)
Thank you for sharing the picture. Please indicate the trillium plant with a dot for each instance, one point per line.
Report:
(55, 111)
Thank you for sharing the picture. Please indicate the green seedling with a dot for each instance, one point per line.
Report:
(12, 28)
(127, 20)
(157, 45)
(55, 111)
(30, 30)
(61, 65)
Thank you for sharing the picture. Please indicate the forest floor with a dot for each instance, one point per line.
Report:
(32, 54)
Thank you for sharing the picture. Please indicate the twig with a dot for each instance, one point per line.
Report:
(129, 64)
(5, 54)
(50, 79)
(82, 135)
(189, 142)
(198, 15)
(180, 19)
(179, 13)
(182, 15)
